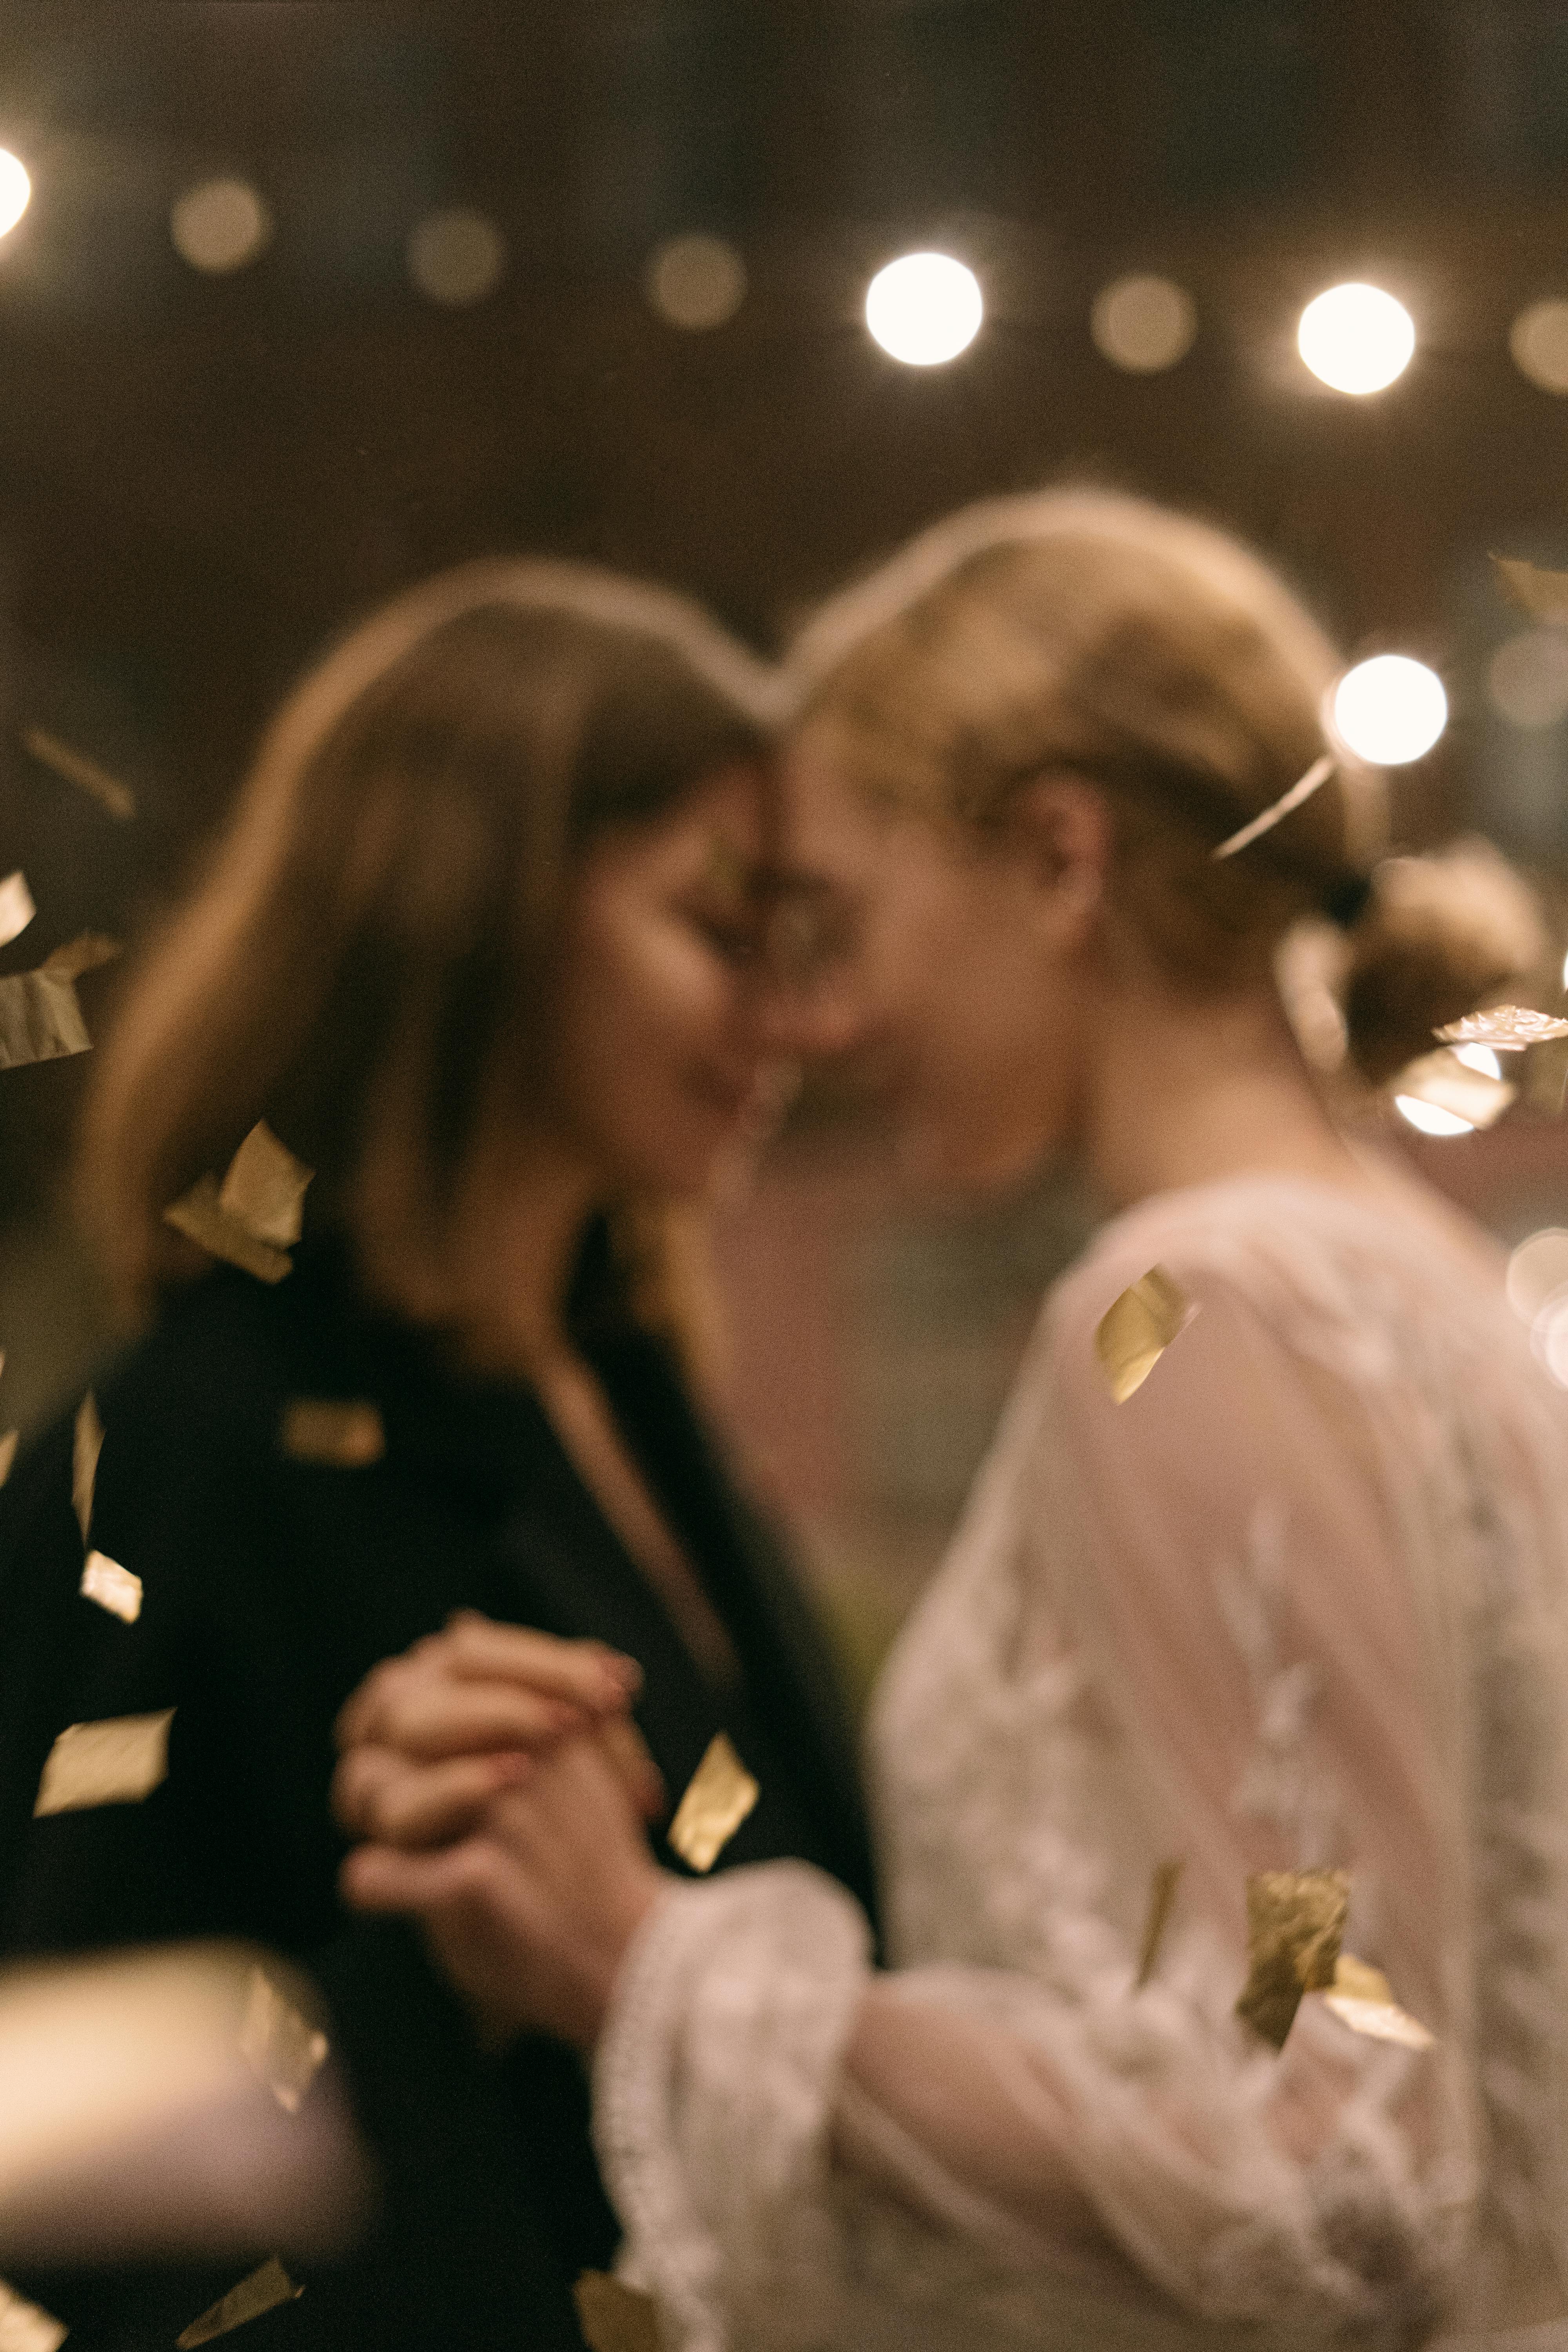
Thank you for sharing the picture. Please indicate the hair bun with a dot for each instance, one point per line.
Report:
(1439, 934)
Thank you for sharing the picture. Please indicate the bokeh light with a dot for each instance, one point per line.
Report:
(696, 282)
(1430, 1117)
(1479, 1057)
(455, 257)
(1549, 1337)
(1527, 678)
(1143, 324)
(219, 225)
(1537, 1267)
(1357, 338)
(1389, 710)
(16, 189)
(924, 308)
(1538, 340)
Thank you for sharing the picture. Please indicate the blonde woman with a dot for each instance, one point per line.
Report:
(1295, 1604)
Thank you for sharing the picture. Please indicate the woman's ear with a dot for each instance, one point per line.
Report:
(1059, 822)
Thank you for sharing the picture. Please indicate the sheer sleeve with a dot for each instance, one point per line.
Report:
(1220, 1631)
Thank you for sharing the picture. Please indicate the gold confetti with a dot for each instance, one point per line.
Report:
(1294, 1922)
(1135, 1332)
(84, 953)
(197, 1215)
(1541, 593)
(264, 2290)
(24, 2328)
(86, 1447)
(341, 1433)
(16, 908)
(116, 1762)
(40, 1020)
(1161, 1900)
(78, 770)
(280, 2046)
(1361, 1997)
(1317, 775)
(254, 1217)
(112, 1587)
(614, 2317)
(1506, 1027)
(8, 1444)
(1448, 1084)
(719, 1796)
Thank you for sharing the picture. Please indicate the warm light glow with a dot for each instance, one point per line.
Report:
(219, 225)
(1143, 324)
(1539, 342)
(1429, 1118)
(1527, 678)
(1357, 338)
(924, 308)
(696, 282)
(455, 257)
(1479, 1057)
(15, 188)
(1549, 1337)
(1537, 1269)
(1389, 710)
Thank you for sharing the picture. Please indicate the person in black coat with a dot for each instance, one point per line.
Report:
(480, 942)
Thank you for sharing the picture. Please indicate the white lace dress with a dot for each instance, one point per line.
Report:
(1299, 1601)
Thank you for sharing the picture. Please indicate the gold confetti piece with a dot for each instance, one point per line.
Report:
(84, 953)
(719, 1796)
(24, 2328)
(341, 1433)
(112, 1587)
(1541, 593)
(614, 2317)
(1506, 1027)
(16, 908)
(40, 1020)
(264, 2290)
(1135, 1332)
(1447, 1083)
(1161, 1900)
(279, 2044)
(265, 1188)
(1294, 1922)
(9, 1452)
(197, 1215)
(1317, 775)
(1360, 1998)
(116, 1762)
(78, 770)
(86, 1447)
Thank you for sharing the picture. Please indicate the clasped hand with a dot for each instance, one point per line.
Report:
(502, 1790)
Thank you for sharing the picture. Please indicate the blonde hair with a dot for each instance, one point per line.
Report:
(364, 961)
(1086, 631)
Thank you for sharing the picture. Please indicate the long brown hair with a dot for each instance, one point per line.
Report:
(363, 961)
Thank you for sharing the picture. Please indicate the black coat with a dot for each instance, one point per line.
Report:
(271, 1587)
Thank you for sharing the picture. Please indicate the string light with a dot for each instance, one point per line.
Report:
(696, 282)
(15, 190)
(1357, 338)
(455, 257)
(1389, 710)
(1143, 324)
(219, 225)
(1538, 340)
(924, 308)
(1430, 1117)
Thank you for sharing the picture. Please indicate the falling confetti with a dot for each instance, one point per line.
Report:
(1360, 1998)
(16, 908)
(1161, 1900)
(1136, 1329)
(1294, 1921)
(24, 2328)
(254, 1218)
(116, 1762)
(340, 1432)
(8, 1444)
(1317, 775)
(286, 2052)
(1543, 595)
(112, 1587)
(614, 2317)
(84, 953)
(85, 1446)
(264, 2290)
(77, 769)
(1507, 1028)
(719, 1796)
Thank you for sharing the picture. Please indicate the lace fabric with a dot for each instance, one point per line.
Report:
(1299, 1601)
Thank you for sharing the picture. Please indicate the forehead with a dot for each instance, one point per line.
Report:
(830, 833)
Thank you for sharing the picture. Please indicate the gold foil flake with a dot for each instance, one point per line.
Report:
(1543, 595)
(84, 953)
(78, 770)
(1135, 1332)
(116, 1762)
(1294, 1922)
(1161, 1900)
(264, 2290)
(264, 1189)
(1317, 775)
(281, 2047)
(197, 1215)
(40, 1020)
(1507, 1028)
(1361, 1997)
(340, 1432)
(112, 1587)
(614, 2317)
(16, 908)
(719, 1796)
(25, 2327)
(1448, 1085)
(85, 1446)
(8, 1444)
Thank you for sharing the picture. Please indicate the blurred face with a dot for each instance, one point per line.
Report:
(949, 964)
(667, 1080)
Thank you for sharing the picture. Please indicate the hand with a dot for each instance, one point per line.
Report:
(428, 1738)
(530, 1918)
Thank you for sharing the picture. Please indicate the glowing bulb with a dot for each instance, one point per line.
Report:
(697, 282)
(1549, 1337)
(1429, 1118)
(219, 225)
(1389, 710)
(15, 188)
(924, 308)
(1143, 324)
(1357, 338)
(1539, 342)
(1479, 1057)
(455, 257)
(1536, 1271)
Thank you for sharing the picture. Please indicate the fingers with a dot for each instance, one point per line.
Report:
(582, 1677)
(385, 1878)
(622, 1744)
(378, 1795)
